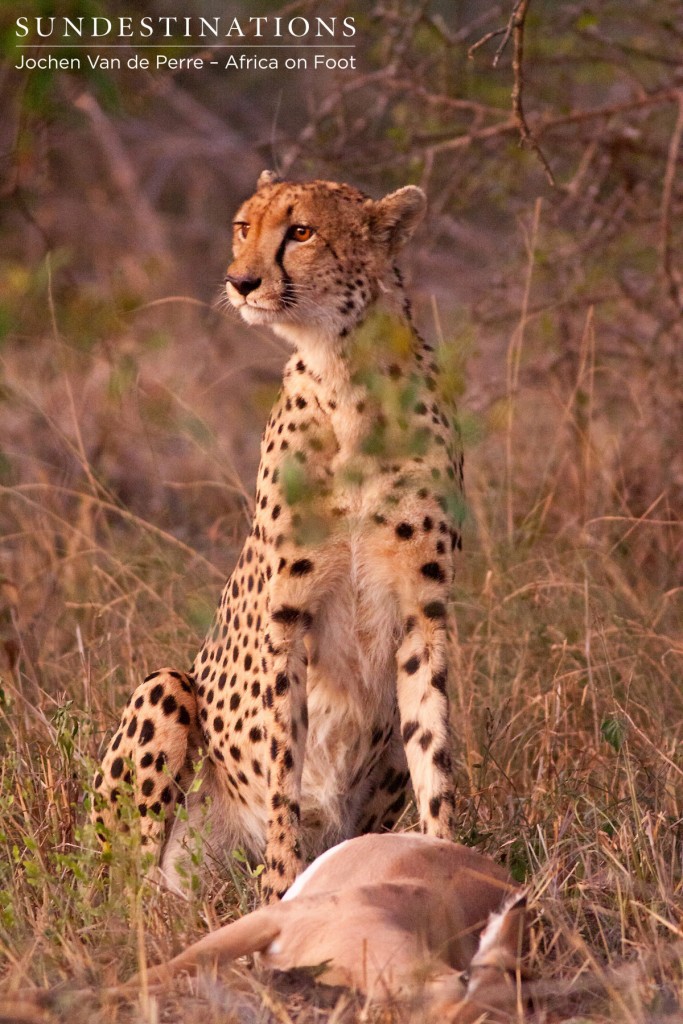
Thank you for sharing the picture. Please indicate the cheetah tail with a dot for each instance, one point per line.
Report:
(251, 934)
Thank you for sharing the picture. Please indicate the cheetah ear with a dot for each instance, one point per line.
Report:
(395, 217)
(266, 178)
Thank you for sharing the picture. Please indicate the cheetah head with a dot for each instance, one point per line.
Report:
(312, 257)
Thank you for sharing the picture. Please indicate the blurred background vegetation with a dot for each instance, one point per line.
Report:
(131, 405)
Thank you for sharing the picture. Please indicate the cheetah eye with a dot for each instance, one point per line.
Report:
(241, 228)
(300, 233)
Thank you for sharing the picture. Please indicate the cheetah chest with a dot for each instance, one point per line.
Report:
(351, 678)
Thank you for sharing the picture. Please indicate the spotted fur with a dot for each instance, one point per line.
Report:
(320, 692)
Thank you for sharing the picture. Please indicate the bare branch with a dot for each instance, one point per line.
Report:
(124, 175)
(653, 99)
(515, 30)
(672, 275)
(485, 39)
(438, 143)
(518, 18)
(441, 99)
(504, 32)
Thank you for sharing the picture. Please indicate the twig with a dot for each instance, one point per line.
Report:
(518, 17)
(504, 32)
(547, 124)
(515, 30)
(439, 99)
(668, 266)
(323, 110)
(477, 135)
(195, 114)
(514, 359)
(123, 175)
(649, 100)
(455, 38)
(484, 39)
(518, 10)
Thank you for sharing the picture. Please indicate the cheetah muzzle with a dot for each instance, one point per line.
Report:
(320, 692)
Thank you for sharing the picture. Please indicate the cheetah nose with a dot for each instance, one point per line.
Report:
(244, 285)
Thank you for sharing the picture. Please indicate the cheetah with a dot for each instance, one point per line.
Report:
(320, 692)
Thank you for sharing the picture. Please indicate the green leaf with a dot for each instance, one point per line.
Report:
(612, 730)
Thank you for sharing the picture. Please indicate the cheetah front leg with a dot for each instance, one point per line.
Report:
(284, 699)
(423, 702)
(152, 753)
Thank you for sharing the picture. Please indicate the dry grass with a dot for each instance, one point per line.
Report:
(125, 495)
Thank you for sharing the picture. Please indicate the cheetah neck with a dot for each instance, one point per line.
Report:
(346, 375)
(382, 333)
